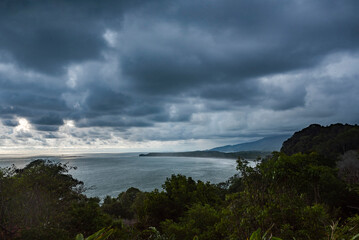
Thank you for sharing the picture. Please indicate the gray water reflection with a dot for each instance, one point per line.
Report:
(110, 174)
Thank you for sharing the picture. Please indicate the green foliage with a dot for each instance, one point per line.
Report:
(87, 216)
(232, 185)
(179, 195)
(40, 201)
(257, 235)
(199, 220)
(122, 206)
(292, 192)
(156, 235)
(183, 192)
(307, 174)
(37, 197)
(155, 208)
(102, 234)
(348, 229)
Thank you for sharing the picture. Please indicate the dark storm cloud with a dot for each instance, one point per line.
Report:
(234, 40)
(246, 92)
(163, 61)
(47, 128)
(37, 39)
(103, 100)
(46, 36)
(49, 119)
(10, 122)
(49, 122)
(112, 122)
(34, 100)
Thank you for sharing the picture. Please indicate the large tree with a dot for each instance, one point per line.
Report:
(41, 200)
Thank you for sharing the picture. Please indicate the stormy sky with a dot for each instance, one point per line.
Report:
(173, 75)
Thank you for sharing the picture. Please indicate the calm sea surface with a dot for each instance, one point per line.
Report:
(111, 174)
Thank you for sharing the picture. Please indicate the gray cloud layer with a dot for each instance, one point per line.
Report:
(177, 70)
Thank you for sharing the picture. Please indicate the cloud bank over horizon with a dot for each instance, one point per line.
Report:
(173, 75)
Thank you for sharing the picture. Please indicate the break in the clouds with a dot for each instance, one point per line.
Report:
(173, 75)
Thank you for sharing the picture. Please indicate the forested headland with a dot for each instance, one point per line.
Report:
(308, 190)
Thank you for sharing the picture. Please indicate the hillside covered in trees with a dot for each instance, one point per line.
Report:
(303, 192)
(329, 141)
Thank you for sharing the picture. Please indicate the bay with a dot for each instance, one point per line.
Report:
(112, 173)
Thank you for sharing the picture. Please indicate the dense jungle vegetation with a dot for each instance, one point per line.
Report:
(309, 190)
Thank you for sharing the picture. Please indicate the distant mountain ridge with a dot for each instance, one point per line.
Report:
(270, 144)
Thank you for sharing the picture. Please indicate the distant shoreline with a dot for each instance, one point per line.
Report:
(209, 154)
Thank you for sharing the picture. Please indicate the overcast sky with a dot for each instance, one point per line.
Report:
(146, 75)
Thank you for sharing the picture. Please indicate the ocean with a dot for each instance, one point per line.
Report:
(112, 173)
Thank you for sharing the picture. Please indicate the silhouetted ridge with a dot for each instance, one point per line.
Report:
(329, 141)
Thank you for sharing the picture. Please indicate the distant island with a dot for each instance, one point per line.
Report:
(209, 154)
